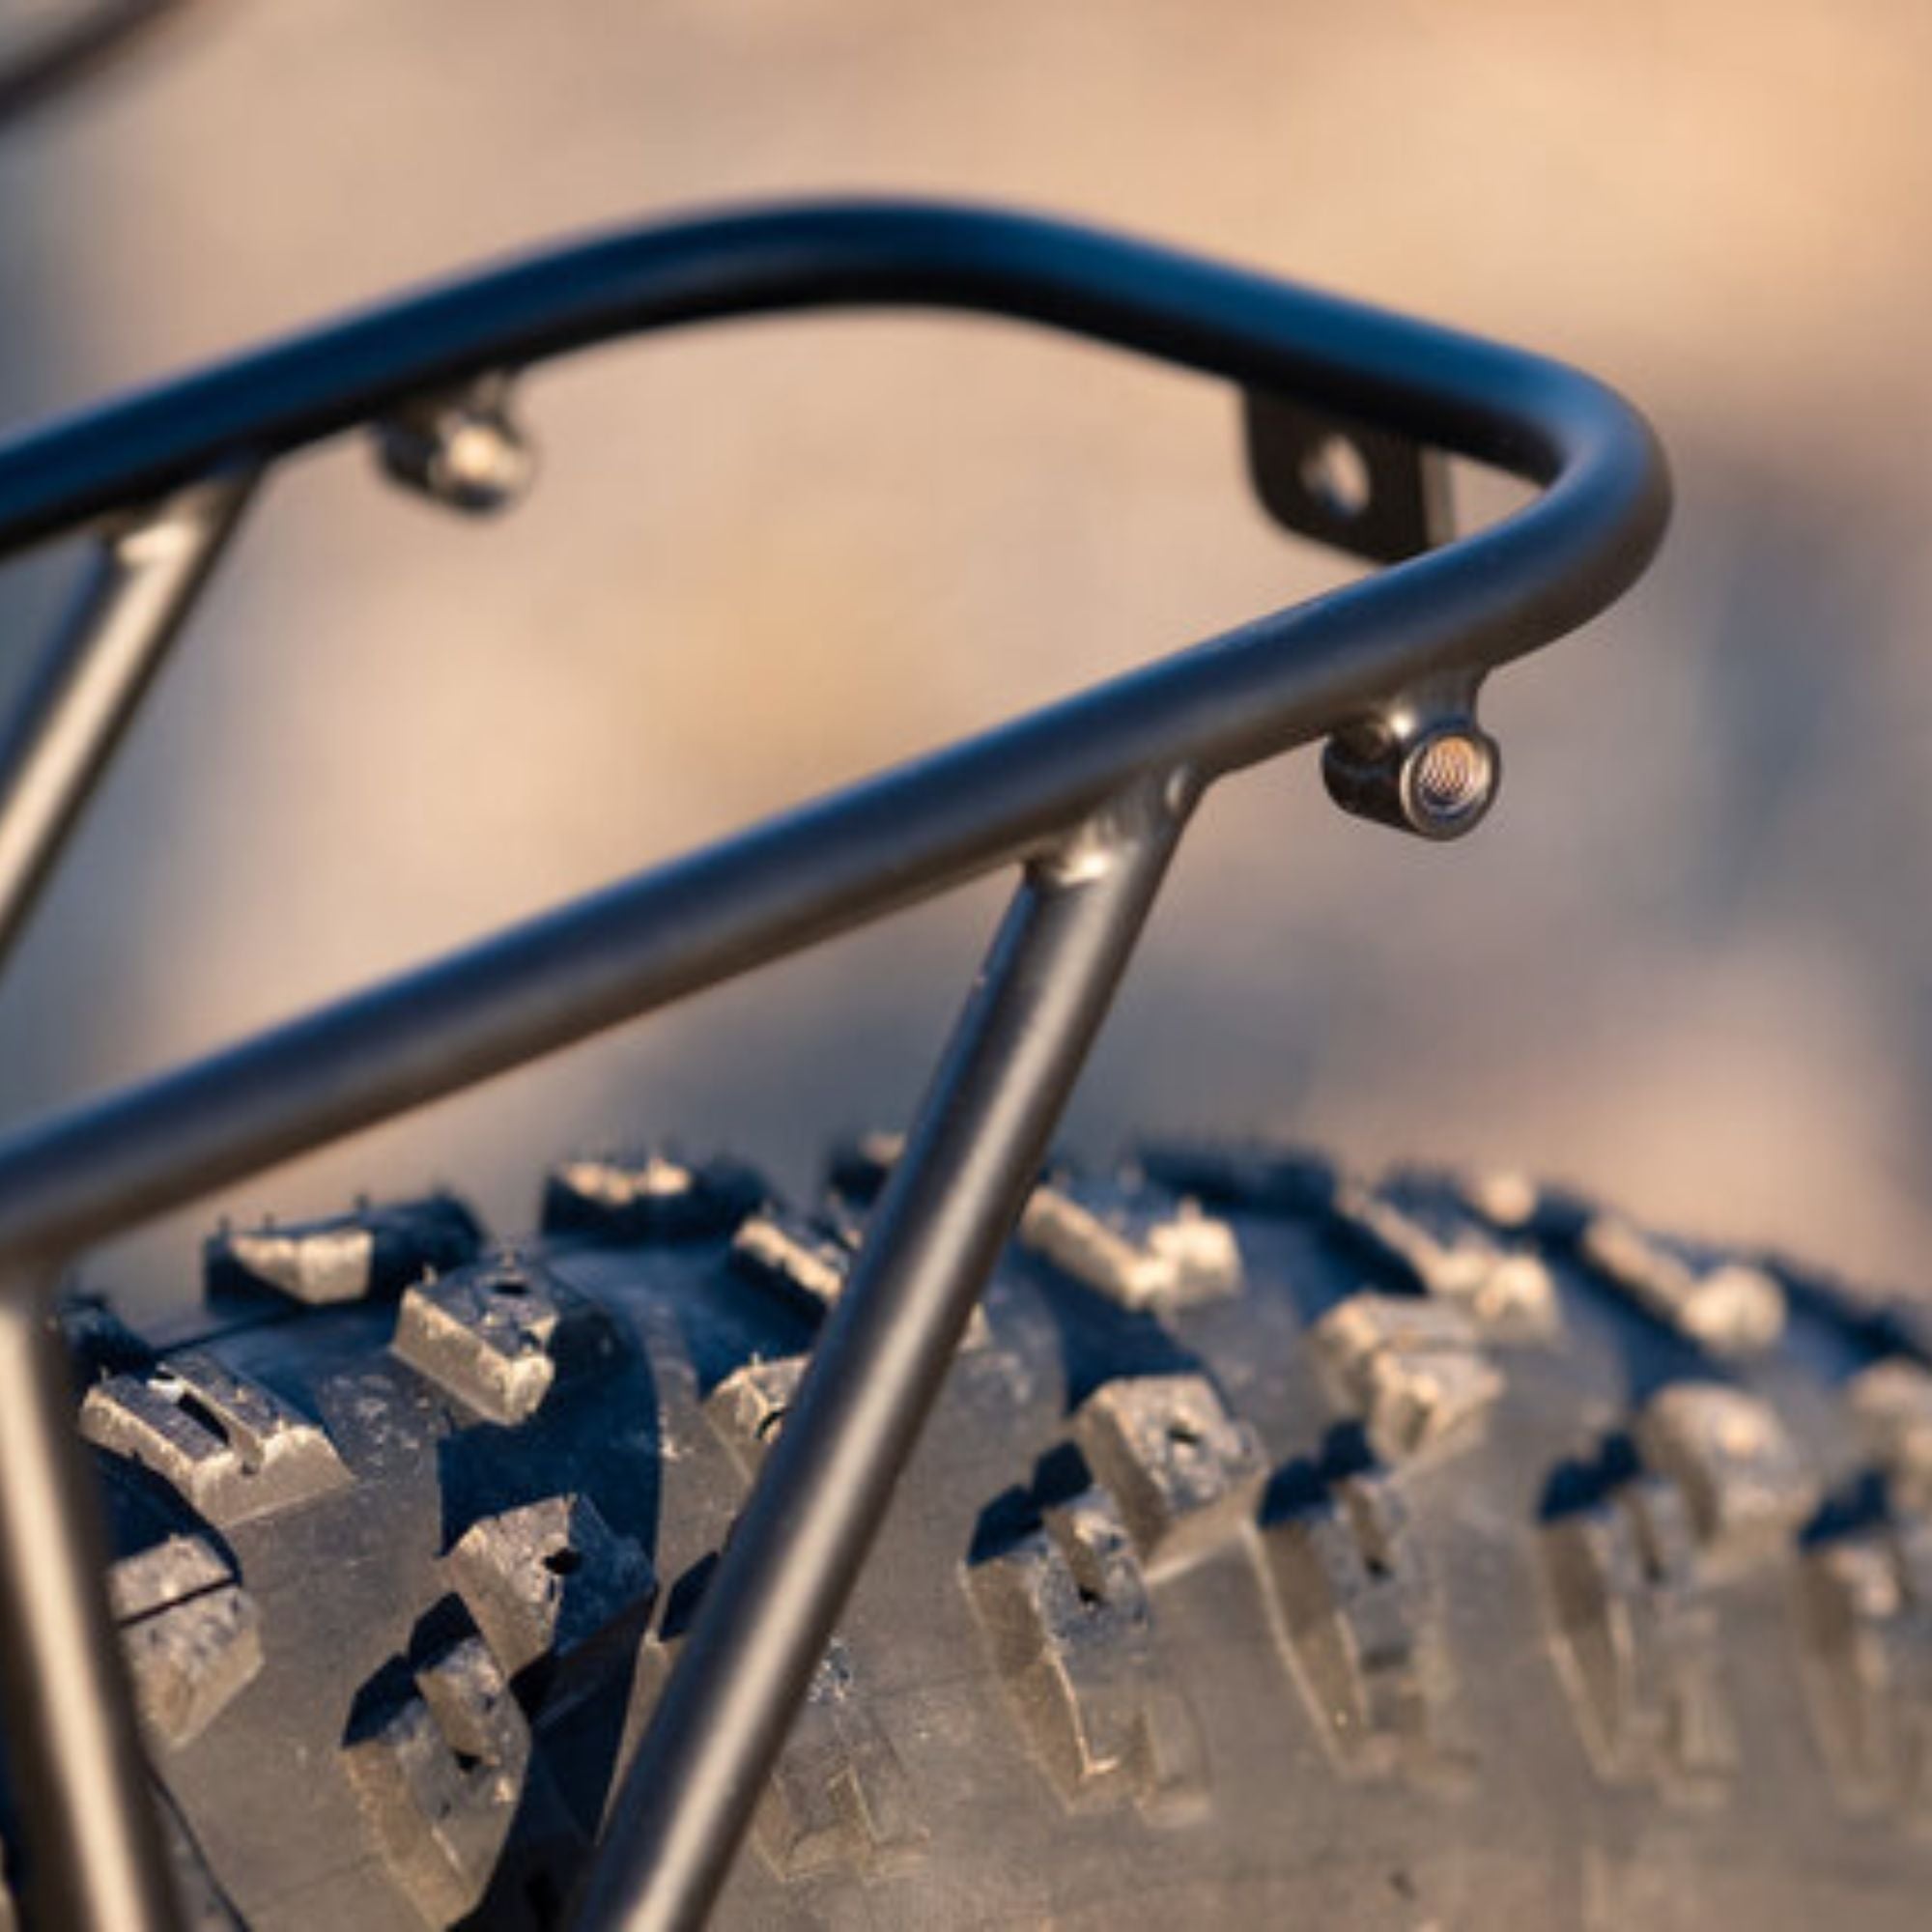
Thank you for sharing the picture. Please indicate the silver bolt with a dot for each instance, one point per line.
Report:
(464, 452)
(1449, 781)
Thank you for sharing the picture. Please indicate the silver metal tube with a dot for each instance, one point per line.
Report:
(95, 1858)
(974, 1151)
(143, 583)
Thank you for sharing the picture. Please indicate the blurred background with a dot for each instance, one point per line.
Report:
(1685, 962)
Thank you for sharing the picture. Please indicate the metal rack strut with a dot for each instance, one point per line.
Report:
(1351, 413)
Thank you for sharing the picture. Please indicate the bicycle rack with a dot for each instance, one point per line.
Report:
(1349, 414)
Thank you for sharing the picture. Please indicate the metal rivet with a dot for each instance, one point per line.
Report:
(1429, 770)
(1448, 780)
(466, 452)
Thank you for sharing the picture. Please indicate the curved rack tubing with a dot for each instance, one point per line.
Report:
(1088, 796)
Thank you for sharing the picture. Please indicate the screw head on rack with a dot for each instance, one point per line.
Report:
(465, 452)
(1436, 776)
(1449, 781)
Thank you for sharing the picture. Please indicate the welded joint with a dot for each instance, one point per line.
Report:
(1154, 811)
(182, 527)
(1421, 762)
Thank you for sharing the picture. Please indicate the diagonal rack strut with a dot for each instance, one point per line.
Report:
(1088, 796)
(954, 1197)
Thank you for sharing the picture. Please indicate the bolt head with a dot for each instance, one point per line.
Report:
(480, 462)
(1448, 780)
(468, 455)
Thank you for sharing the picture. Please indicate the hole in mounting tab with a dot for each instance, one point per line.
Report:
(1336, 476)
(1360, 487)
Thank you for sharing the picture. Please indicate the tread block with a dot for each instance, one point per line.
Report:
(1637, 1642)
(1138, 1248)
(190, 1635)
(1356, 1615)
(1747, 1486)
(499, 1335)
(1259, 1175)
(838, 1796)
(807, 1263)
(229, 1447)
(1731, 1308)
(1865, 1614)
(559, 1596)
(1891, 1402)
(747, 1408)
(189, 1661)
(1186, 1475)
(654, 1195)
(1073, 1631)
(441, 1778)
(98, 1343)
(373, 1252)
(1413, 1368)
(1504, 1197)
(1509, 1292)
(860, 1167)
(798, 1258)
(164, 1574)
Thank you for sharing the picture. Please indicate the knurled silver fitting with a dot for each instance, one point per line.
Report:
(1430, 769)
(461, 450)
